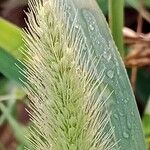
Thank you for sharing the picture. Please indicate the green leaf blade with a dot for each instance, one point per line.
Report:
(11, 38)
(125, 116)
(10, 44)
(9, 67)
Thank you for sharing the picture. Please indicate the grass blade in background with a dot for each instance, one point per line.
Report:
(103, 4)
(8, 67)
(18, 129)
(10, 44)
(10, 38)
(125, 116)
(116, 21)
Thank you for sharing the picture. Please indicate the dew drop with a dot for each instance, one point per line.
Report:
(125, 135)
(76, 26)
(132, 113)
(129, 124)
(98, 42)
(117, 64)
(91, 27)
(69, 7)
(121, 114)
(110, 73)
(116, 116)
(107, 56)
(125, 101)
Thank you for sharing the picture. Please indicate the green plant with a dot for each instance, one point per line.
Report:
(116, 6)
(79, 91)
(10, 45)
(11, 38)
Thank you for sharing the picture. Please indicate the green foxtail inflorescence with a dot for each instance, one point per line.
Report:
(68, 110)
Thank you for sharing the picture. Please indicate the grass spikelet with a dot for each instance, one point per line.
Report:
(68, 111)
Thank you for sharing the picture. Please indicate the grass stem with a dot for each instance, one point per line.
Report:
(116, 21)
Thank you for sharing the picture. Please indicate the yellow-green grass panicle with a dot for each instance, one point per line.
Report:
(68, 111)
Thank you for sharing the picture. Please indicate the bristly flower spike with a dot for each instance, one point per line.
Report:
(68, 109)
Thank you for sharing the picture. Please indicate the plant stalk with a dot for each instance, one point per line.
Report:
(116, 21)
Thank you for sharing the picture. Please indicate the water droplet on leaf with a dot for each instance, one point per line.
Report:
(125, 135)
(129, 124)
(110, 73)
(76, 26)
(91, 27)
(121, 114)
(107, 56)
(132, 113)
(125, 101)
(116, 116)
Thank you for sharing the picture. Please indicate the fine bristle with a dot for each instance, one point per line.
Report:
(68, 109)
